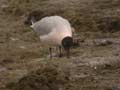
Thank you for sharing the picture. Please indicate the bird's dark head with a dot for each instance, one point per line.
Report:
(67, 43)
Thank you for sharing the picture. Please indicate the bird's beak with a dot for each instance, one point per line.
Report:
(68, 53)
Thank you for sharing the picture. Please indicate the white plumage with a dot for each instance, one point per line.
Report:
(52, 29)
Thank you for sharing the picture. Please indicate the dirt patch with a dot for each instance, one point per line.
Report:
(48, 77)
(94, 65)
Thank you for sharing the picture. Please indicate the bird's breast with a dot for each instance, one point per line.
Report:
(54, 38)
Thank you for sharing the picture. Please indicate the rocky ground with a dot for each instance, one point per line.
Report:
(94, 65)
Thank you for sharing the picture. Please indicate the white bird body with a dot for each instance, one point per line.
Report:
(52, 29)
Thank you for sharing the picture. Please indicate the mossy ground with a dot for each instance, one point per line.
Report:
(90, 67)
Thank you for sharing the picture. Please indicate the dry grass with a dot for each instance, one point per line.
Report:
(46, 77)
(84, 15)
(21, 51)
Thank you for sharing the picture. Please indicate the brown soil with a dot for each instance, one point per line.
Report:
(94, 65)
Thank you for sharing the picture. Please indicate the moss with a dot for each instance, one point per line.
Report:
(48, 77)
(83, 16)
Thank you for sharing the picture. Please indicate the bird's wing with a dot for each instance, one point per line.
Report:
(42, 28)
(49, 24)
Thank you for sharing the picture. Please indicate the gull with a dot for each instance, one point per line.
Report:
(52, 31)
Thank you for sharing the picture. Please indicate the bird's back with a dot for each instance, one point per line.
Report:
(48, 24)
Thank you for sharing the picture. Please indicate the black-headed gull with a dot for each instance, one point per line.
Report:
(53, 31)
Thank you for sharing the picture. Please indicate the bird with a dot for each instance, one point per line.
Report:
(53, 31)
